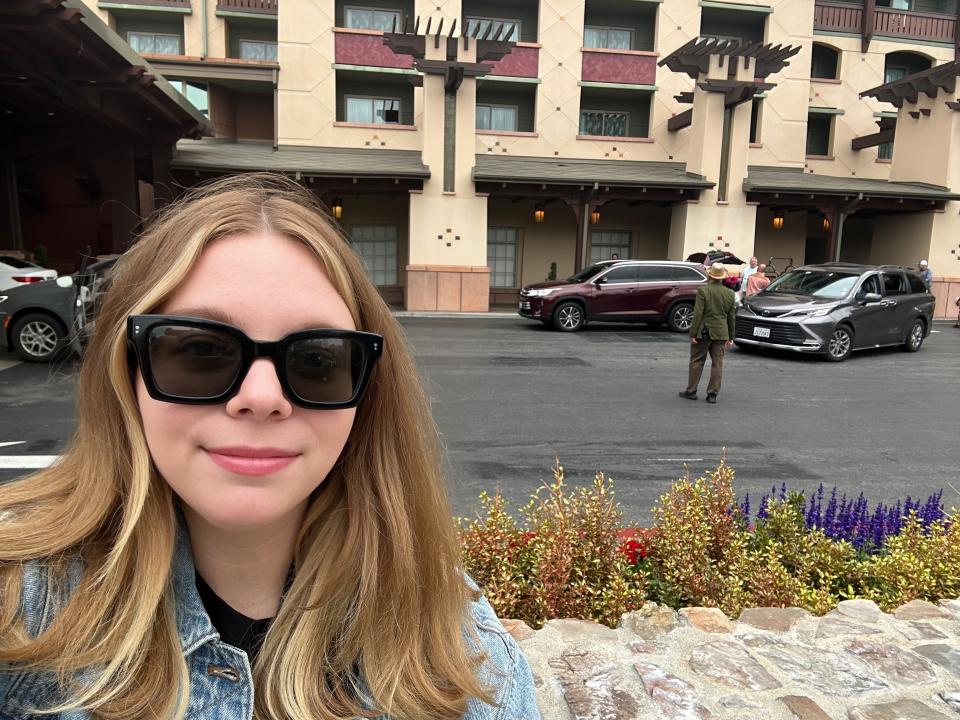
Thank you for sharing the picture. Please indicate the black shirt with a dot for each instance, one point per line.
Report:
(235, 628)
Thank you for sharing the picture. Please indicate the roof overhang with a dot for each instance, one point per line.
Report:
(929, 82)
(61, 64)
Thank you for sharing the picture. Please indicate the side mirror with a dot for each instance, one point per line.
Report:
(871, 298)
(600, 281)
(65, 281)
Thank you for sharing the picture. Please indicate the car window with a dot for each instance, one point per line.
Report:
(17, 262)
(870, 285)
(816, 283)
(917, 285)
(654, 273)
(623, 274)
(893, 284)
(685, 274)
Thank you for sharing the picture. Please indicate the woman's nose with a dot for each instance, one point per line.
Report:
(260, 394)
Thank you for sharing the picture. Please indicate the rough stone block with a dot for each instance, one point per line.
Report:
(730, 664)
(676, 698)
(652, 621)
(893, 663)
(952, 699)
(518, 629)
(898, 710)
(920, 631)
(952, 607)
(804, 708)
(837, 625)
(861, 610)
(946, 656)
(710, 620)
(591, 686)
(773, 619)
(579, 631)
(921, 610)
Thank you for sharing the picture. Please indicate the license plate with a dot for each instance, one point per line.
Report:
(761, 332)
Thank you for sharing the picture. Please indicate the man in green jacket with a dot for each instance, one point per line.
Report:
(714, 321)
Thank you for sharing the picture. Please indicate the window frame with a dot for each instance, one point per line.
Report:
(395, 271)
(831, 121)
(155, 35)
(364, 8)
(667, 271)
(616, 268)
(607, 29)
(838, 57)
(626, 247)
(179, 83)
(274, 43)
(904, 284)
(491, 106)
(518, 238)
(372, 99)
(479, 18)
(625, 113)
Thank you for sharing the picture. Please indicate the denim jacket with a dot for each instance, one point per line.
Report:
(221, 681)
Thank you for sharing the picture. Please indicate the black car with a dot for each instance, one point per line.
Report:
(40, 320)
(834, 309)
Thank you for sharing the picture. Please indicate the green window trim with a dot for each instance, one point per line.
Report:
(765, 9)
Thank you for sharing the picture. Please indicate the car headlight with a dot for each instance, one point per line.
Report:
(819, 312)
(539, 292)
(3, 298)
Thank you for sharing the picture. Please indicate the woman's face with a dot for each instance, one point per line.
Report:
(268, 286)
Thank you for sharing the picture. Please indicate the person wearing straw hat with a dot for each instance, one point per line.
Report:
(714, 321)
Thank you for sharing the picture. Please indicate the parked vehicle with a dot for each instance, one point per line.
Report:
(41, 320)
(15, 272)
(836, 308)
(617, 291)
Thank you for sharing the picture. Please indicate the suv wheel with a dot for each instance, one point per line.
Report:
(915, 338)
(680, 317)
(37, 337)
(840, 344)
(569, 316)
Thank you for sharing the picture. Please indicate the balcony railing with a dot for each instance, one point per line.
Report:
(908, 24)
(522, 61)
(619, 66)
(260, 7)
(366, 47)
(158, 3)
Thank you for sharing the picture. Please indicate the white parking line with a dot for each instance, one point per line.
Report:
(26, 462)
(7, 364)
(15, 442)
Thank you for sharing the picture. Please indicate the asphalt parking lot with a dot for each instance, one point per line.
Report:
(510, 395)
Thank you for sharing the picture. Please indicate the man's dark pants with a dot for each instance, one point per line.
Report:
(698, 358)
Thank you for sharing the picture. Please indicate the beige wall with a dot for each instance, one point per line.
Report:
(788, 242)
(553, 240)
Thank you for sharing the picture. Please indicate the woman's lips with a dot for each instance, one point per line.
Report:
(251, 466)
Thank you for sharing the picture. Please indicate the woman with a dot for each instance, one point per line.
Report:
(246, 529)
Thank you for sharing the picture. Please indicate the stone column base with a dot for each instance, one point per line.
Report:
(447, 288)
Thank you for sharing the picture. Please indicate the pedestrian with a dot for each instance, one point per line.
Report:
(251, 519)
(714, 320)
(747, 272)
(957, 303)
(757, 281)
(925, 272)
(615, 256)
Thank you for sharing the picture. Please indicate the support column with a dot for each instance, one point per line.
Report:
(121, 182)
(10, 233)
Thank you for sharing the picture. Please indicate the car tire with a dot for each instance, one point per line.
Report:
(915, 337)
(840, 343)
(680, 317)
(38, 337)
(569, 316)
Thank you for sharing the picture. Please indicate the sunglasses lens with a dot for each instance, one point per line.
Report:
(193, 363)
(325, 370)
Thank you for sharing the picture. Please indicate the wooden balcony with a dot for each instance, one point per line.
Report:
(256, 7)
(887, 22)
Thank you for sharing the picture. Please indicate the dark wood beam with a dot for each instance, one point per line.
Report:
(867, 20)
(680, 121)
(877, 138)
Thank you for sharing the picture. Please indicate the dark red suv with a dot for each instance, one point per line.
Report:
(617, 291)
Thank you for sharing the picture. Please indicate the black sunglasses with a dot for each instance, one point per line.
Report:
(204, 362)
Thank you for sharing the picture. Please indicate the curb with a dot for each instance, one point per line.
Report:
(455, 315)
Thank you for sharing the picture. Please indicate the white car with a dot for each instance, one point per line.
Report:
(15, 272)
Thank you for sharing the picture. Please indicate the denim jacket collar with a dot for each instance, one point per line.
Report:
(193, 623)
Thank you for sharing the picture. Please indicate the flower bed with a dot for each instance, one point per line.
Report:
(569, 556)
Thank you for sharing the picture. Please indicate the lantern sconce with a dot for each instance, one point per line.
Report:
(594, 215)
(826, 223)
(337, 208)
(538, 213)
(778, 220)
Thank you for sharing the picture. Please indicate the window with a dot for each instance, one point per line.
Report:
(870, 285)
(819, 127)
(497, 117)
(755, 111)
(893, 284)
(686, 274)
(503, 29)
(502, 256)
(372, 19)
(917, 285)
(265, 50)
(894, 72)
(377, 247)
(373, 111)
(885, 151)
(654, 273)
(603, 244)
(607, 37)
(621, 275)
(604, 122)
(195, 92)
(825, 62)
(155, 43)
(896, 4)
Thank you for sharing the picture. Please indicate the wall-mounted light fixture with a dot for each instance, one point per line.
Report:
(778, 220)
(337, 208)
(826, 223)
(538, 213)
(594, 215)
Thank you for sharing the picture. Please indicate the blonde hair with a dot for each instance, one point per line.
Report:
(378, 607)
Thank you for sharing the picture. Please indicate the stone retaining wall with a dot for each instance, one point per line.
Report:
(855, 663)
